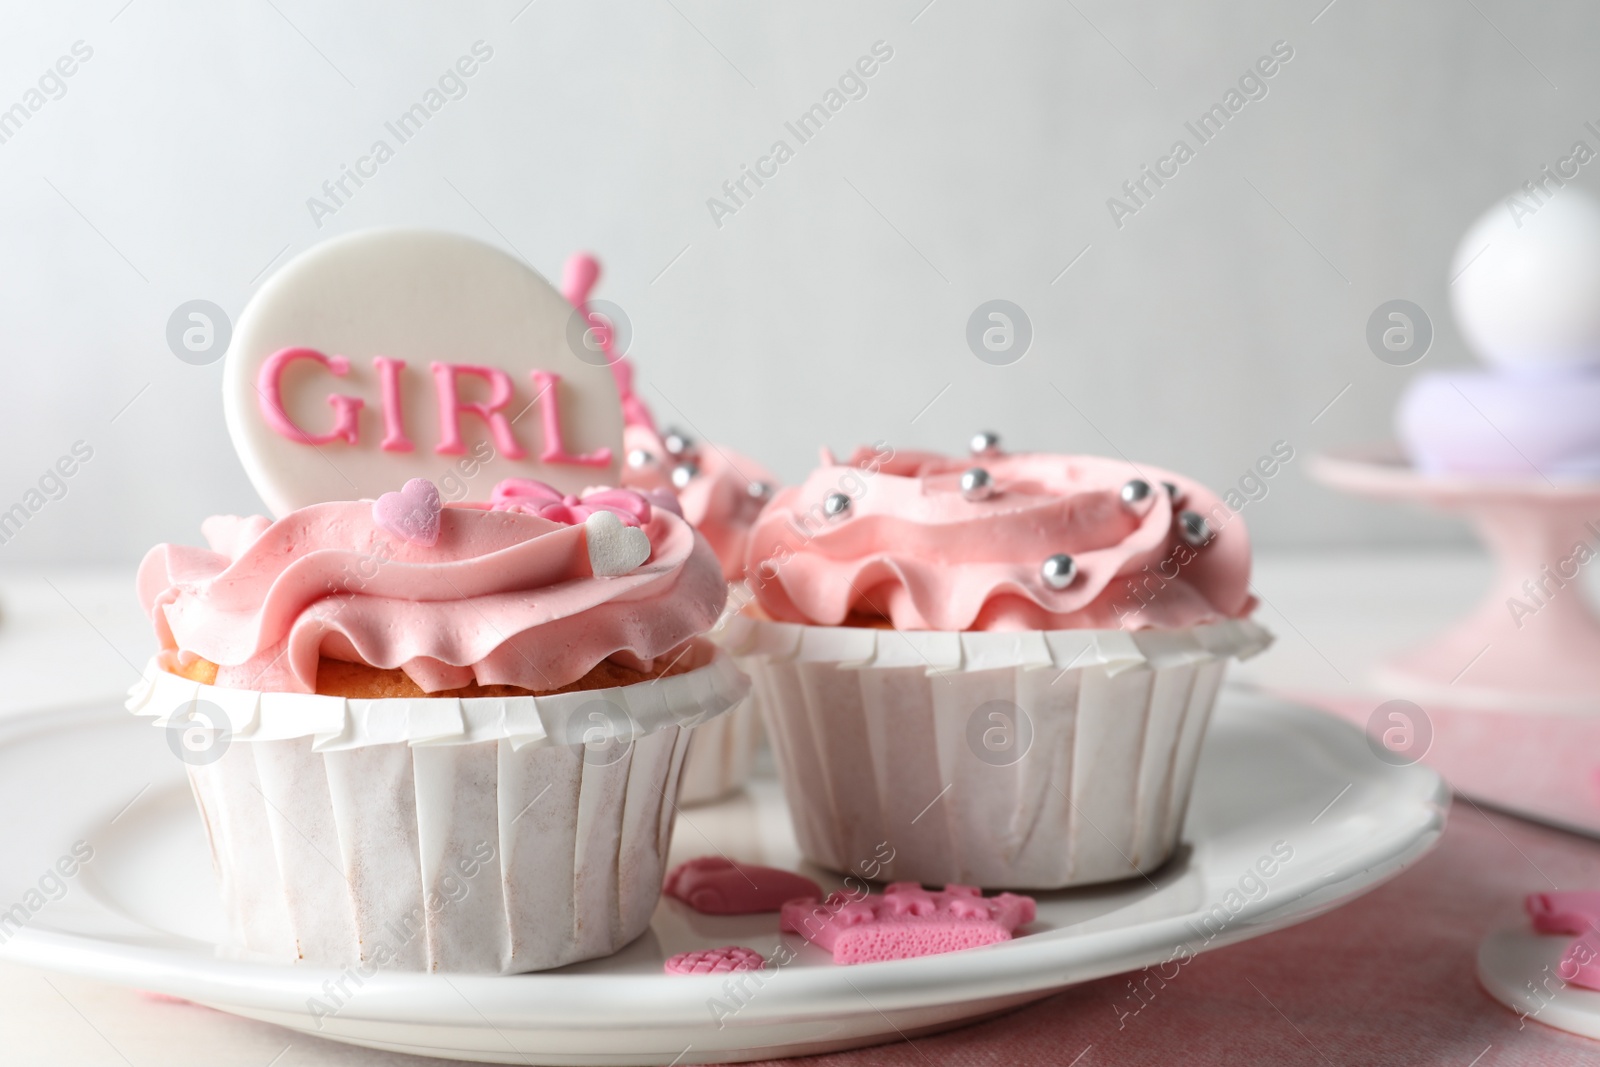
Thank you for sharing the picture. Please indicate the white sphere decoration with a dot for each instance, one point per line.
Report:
(1530, 300)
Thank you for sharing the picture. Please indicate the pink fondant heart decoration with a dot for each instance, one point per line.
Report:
(722, 960)
(713, 885)
(578, 279)
(412, 514)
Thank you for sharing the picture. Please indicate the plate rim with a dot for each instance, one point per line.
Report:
(546, 1001)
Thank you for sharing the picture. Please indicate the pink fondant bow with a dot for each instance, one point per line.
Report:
(548, 502)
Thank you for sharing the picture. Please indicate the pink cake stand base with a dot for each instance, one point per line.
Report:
(1533, 644)
(1512, 701)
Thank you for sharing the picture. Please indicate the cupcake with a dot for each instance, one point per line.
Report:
(720, 492)
(995, 671)
(438, 738)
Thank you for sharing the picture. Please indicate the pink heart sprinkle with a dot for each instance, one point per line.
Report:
(412, 514)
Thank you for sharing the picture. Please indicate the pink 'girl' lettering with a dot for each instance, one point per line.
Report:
(269, 388)
(347, 424)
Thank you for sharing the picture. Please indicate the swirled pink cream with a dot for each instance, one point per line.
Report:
(503, 597)
(719, 491)
(904, 545)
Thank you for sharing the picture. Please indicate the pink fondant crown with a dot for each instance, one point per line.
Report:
(907, 921)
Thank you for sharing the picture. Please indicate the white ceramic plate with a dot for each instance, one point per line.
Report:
(143, 911)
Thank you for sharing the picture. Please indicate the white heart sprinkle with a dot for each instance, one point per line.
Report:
(614, 548)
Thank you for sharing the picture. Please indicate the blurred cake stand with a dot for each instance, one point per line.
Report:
(1533, 644)
(1511, 695)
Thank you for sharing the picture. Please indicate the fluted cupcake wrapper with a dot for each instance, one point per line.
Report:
(1005, 761)
(472, 853)
(722, 753)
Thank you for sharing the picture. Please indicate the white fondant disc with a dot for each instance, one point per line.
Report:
(1521, 969)
(420, 297)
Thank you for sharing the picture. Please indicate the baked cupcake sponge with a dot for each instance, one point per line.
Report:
(360, 681)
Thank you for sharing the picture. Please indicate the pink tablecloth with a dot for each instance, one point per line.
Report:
(1387, 979)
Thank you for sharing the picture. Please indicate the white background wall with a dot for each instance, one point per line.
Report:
(832, 308)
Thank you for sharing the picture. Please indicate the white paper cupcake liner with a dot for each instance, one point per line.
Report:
(473, 835)
(1035, 760)
(722, 753)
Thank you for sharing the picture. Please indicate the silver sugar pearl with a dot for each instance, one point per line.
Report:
(986, 443)
(683, 474)
(758, 490)
(1192, 525)
(1135, 491)
(640, 458)
(976, 484)
(1059, 570)
(835, 504)
(676, 442)
(1173, 492)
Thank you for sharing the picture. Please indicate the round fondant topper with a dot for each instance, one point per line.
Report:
(389, 355)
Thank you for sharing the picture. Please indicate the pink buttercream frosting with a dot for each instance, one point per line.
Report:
(911, 549)
(721, 499)
(505, 596)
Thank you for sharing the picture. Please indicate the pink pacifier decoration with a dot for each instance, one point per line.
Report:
(548, 502)
(907, 921)
(724, 960)
(578, 279)
(1571, 912)
(713, 885)
(412, 514)
(719, 491)
(634, 411)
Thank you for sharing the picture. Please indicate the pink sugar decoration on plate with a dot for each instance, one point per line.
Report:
(722, 960)
(1571, 912)
(907, 921)
(713, 885)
